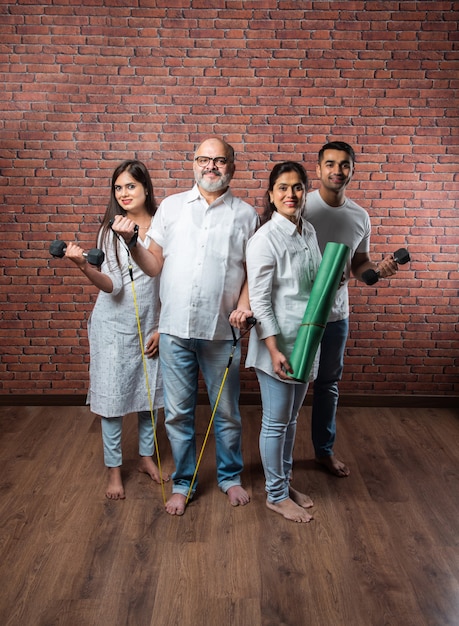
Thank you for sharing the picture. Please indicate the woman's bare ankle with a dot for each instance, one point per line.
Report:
(115, 488)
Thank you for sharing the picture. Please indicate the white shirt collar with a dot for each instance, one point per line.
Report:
(195, 194)
(284, 224)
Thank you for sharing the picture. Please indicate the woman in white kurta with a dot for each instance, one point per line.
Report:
(118, 376)
(282, 261)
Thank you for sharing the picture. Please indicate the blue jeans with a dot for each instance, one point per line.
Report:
(111, 438)
(181, 360)
(326, 394)
(281, 404)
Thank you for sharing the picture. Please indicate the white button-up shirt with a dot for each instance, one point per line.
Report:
(204, 254)
(281, 267)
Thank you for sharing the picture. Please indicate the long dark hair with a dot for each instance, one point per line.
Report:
(139, 172)
(276, 172)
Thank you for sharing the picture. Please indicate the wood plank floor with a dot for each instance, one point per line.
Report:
(382, 548)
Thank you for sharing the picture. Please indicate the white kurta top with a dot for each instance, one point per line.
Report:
(116, 371)
(348, 224)
(281, 267)
(204, 250)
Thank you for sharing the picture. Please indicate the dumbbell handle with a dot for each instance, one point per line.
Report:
(95, 256)
(401, 256)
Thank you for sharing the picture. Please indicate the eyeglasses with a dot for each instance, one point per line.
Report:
(203, 161)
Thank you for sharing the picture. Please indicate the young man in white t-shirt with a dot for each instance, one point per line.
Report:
(337, 218)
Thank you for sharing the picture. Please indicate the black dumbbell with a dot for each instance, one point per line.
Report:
(401, 256)
(94, 256)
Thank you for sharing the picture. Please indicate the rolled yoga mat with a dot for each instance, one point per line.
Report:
(318, 309)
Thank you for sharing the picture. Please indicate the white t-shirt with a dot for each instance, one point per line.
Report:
(204, 254)
(348, 224)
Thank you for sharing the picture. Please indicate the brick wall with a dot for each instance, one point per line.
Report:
(86, 86)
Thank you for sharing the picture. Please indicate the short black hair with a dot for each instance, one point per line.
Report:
(337, 145)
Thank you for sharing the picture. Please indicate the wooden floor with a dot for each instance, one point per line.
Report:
(382, 548)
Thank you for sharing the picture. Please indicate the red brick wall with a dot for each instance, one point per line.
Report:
(88, 85)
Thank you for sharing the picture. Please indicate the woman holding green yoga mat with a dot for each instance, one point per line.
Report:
(283, 258)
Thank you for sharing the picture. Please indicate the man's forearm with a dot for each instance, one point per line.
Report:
(243, 300)
(147, 260)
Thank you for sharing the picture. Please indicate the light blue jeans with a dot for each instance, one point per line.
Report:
(111, 438)
(181, 360)
(326, 394)
(281, 404)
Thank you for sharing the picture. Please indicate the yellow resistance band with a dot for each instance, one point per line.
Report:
(210, 424)
(144, 361)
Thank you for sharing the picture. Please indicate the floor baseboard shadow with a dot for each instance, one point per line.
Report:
(250, 399)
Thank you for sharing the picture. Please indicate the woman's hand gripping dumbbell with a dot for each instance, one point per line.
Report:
(94, 256)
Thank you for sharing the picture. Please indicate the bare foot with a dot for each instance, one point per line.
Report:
(115, 489)
(300, 498)
(335, 467)
(237, 495)
(176, 504)
(290, 510)
(148, 466)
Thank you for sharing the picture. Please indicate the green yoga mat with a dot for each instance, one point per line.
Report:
(320, 302)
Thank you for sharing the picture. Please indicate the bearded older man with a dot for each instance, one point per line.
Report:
(199, 243)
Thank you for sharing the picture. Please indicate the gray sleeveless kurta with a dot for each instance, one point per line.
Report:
(117, 381)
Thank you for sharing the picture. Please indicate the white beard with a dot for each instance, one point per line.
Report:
(215, 185)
